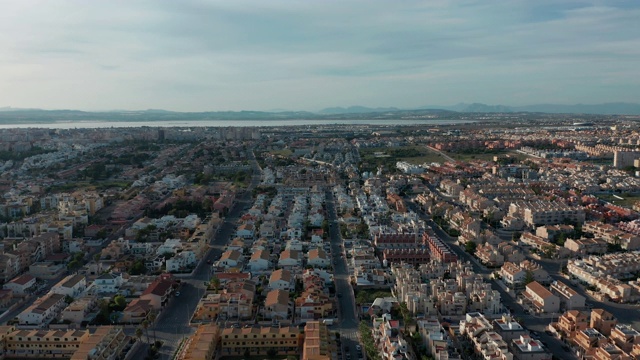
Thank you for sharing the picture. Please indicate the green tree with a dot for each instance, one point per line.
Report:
(120, 302)
(528, 277)
(138, 268)
(139, 333)
(101, 234)
(470, 247)
(214, 283)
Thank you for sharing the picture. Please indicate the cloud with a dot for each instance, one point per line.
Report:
(210, 55)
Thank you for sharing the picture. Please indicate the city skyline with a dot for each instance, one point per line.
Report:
(215, 56)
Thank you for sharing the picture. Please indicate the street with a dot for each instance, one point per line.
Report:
(347, 320)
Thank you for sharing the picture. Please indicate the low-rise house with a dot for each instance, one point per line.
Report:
(281, 279)
(526, 348)
(158, 292)
(42, 311)
(259, 261)
(182, 261)
(625, 337)
(137, 311)
(290, 258)
(78, 310)
(318, 258)
(47, 270)
(570, 323)
(226, 306)
(588, 340)
(586, 246)
(541, 299)
(21, 285)
(108, 283)
(246, 231)
(276, 305)
(230, 258)
(569, 298)
(313, 304)
(508, 328)
(512, 274)
(603, 321)
(72, 285)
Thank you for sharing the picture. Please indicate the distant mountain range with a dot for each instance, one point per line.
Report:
(597, 109)
(9, 115)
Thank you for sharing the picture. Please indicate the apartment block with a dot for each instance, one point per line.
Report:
(258, 340)
(44, 344)
(318, 342)
(106, 343)
(202, 345)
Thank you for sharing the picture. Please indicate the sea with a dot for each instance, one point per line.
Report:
(226, 123)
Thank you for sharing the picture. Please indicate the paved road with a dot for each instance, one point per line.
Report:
(172, 324)
(348, 320)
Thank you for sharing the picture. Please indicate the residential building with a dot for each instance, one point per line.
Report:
(276, 305)
(588, 340)
(108, 282)
(318, 343)
(78, 310)
(202, 345)
(106, 343)
(526, 348)
(409, 256)
(571, 322)
(259, 260)
(281, 279)
(290, 258)
(285, 340)
(224, 306)
(541, 299)
(137, 311)
(508, 328)
(318, 258)
(158, 292)
(625, 337)
(72, 285)
(21, 284)
(603, 321)
(569, 298)
(42, 311)
(44, 344)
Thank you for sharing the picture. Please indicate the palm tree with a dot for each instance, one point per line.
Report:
(152, 319)
(139, 333)
(145, 325)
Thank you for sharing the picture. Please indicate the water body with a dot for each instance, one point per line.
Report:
(226, 123)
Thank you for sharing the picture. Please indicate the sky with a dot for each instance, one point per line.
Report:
(193, 55)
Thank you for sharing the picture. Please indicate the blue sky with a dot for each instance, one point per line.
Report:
(193, 55)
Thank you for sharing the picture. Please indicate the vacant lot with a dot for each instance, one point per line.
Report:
(627, 199)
